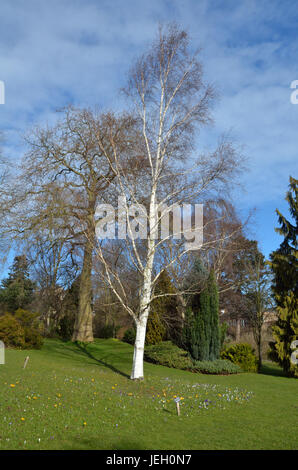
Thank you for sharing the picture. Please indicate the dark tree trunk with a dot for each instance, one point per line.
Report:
(259, 344)
(83, 324)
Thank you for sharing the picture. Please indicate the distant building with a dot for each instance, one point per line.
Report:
(237, 326)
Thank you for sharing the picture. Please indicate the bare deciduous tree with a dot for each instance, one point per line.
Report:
(256, 288)
(64, 174)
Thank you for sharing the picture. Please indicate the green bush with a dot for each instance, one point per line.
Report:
(26, 318)
(164, 321)
(30, 324)
(33, 339)
(219, 366)
(155, 329)
(129, 336)
(169, 355)
(11, 332)
(65, 327)
(20, 330)
(243, 355)
(107, 331)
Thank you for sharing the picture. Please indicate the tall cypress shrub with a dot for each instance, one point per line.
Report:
(201, 336)
(163, 321)
(204, 325)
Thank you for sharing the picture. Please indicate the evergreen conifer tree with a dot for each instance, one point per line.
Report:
(284, 261)
(285, 332)
(284, 264)
(201, 335)
(163, 321)
(17, 290)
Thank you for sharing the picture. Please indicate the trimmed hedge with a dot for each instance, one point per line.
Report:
(169, 355)
(219, 366)
(243, 355)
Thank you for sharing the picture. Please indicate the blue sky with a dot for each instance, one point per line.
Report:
(78, 51)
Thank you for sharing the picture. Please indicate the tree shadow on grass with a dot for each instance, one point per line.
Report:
(272, 369)
(83, 348)
(97, 444)
(79, 353)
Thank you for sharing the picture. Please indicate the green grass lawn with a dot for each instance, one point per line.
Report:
(68, 398)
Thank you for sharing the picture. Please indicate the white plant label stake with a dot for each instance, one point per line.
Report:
(177, 400)
(26, 362)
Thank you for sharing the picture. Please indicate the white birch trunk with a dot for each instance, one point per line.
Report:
(141, 324)
(138, 355)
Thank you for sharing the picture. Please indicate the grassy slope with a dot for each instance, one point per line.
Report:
(74, 399)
